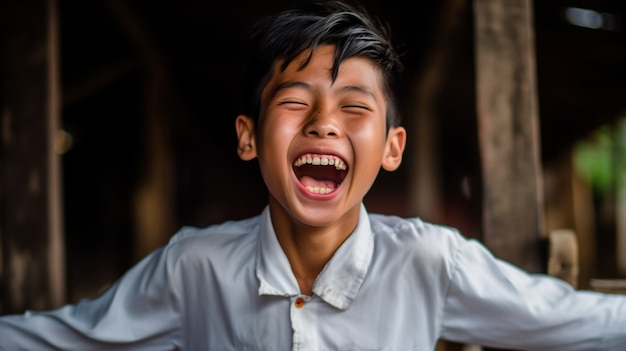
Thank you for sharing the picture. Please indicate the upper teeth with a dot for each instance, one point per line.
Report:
(318, 160)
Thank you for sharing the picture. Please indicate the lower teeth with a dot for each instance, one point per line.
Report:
(318, 190)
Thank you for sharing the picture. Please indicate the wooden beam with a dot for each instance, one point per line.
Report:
(30, 219)
(508, 131)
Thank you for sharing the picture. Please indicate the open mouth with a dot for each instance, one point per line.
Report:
(320, 174)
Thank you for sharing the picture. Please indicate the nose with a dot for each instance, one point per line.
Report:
(322, 125)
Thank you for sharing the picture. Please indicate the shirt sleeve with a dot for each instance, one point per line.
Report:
(138, 312)
(493, 303)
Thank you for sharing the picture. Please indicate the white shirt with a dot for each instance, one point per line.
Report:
(395, 284)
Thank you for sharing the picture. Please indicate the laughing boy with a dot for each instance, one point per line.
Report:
(315, 270)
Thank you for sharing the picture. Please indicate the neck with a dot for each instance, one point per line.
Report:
(309, 248)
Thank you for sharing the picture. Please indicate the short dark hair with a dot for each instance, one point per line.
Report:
(289, 33)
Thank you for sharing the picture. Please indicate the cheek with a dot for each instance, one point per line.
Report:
(275, 138)
(368, 136)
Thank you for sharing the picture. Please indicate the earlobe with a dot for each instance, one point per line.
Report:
(246, 144)
(394, 148)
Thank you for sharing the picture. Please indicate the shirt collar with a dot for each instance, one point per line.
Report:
(339, 281)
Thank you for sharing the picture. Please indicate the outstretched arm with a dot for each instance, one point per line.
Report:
(139, 312)
(493, 303)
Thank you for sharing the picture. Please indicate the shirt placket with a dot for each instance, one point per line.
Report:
(304, 323)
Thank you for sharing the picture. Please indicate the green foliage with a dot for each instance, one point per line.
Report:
(592, 159)
(601, 159)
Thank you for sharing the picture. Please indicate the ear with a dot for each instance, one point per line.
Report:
(246, 145)
(394, 148)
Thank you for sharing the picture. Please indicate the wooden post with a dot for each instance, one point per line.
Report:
(30, 220)
(508, 131)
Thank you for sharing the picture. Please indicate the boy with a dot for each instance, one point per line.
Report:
(315, 271)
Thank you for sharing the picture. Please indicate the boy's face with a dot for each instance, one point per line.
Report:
(320, 143)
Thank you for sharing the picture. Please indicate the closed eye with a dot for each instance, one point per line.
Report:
(294, 106)
(360, 107)
(291, 102)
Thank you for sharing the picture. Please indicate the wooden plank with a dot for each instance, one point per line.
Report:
(57, 145)
(609, 286)
(508, 131)
(32, 249)
(584, 218)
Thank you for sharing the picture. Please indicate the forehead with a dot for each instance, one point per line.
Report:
(316, 69)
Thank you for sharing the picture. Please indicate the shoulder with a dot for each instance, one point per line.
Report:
(416, 239)
(214, 241)
(415, 229)
(230, 228)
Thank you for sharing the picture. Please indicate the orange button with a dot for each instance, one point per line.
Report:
(299, 302)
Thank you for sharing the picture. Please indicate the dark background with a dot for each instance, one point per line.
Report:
(112, 52)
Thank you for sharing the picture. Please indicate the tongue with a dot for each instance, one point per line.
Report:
(316, 183)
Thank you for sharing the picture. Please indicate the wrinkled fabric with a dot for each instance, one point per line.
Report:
(394, 284)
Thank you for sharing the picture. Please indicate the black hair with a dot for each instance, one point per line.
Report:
(289, 33)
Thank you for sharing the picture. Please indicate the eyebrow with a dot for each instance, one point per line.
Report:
(288, 85)
(358, 89)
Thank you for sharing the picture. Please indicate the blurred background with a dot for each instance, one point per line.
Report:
(118, 129)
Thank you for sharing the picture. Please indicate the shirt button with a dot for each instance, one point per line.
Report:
(299, 302)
